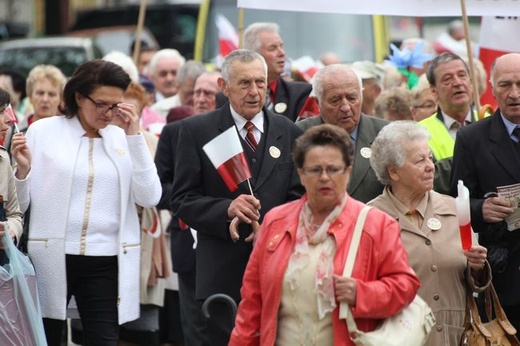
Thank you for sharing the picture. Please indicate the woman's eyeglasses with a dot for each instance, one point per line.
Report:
(331, 171)
(103, 108)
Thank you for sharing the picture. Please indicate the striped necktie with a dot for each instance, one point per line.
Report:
(250, 137)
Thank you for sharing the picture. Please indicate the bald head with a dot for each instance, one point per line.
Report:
(330, 58)
(505, 80)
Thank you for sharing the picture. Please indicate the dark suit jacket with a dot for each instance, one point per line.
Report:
(182, 252)
(201, 199)
(364, 185)
(485, 158)
(292, 94)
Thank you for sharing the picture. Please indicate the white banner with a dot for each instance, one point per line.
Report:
(498, 33)
(414, 8)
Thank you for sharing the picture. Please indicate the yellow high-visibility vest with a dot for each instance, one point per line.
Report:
(441, 143)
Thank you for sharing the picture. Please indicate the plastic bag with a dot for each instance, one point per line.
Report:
(20, 316)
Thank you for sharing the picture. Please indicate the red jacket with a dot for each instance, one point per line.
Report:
(386, 281)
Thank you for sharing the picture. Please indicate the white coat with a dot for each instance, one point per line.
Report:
(54, 143)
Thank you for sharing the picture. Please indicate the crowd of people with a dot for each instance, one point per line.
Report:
(131, 227)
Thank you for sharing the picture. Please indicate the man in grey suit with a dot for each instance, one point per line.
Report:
(338, 89)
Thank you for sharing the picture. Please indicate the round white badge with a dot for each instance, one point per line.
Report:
(275, 152)
(366, 152)
(280, 107)
(434, 224)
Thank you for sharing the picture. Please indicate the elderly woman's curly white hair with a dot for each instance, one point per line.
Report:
(389, 146)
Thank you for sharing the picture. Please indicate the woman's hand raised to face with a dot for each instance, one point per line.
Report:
(21, 155)
(127, 118)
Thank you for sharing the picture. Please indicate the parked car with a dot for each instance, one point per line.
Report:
(10, 30)
(67, 53)
(119, 38)
(173, 25)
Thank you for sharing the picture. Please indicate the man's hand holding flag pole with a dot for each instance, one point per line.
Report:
(227, 156)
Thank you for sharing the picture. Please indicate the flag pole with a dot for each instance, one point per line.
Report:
(139, 30)
(240, 29)
(249, 184)
(476, 98)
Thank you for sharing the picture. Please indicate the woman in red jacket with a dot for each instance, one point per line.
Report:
(292, 286)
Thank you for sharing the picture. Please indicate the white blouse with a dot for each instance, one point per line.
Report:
(93, 218)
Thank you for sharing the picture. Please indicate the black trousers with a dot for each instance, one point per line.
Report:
(194, 324)
(513, 315)
(170, 330)
(93, 281)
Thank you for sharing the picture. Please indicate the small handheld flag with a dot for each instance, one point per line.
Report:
(227, 155)
(12, 117)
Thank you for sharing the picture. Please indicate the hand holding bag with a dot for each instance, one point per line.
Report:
(496, 332)
(410, 327)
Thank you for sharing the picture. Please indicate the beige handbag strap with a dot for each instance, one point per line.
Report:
(344, 312)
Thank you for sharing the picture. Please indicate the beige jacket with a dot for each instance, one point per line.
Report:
(154, 262)
(9, 196)
(437, 258)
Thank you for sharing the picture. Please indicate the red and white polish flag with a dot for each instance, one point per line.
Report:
(227, 155)
(12, 118)
(496, 39)
(10, 113)
(227, 35)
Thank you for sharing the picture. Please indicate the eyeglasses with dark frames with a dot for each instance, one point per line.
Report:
(102, 108)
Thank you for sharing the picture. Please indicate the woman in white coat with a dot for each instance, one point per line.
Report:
(82, 175)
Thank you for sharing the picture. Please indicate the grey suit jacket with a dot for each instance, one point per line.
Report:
(364, 185)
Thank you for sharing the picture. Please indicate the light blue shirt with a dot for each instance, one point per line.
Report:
(510, 128)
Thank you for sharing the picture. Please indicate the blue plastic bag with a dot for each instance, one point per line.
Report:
(20, 316)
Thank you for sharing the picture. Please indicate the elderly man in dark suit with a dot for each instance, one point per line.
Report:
(283, 97)
(486, 157)
(338, 90)
(200, 196)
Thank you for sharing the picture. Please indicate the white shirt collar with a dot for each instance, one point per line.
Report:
(240, 121)
(449, 121)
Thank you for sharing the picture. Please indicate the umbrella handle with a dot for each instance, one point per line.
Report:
(215, 297)
(485, 109)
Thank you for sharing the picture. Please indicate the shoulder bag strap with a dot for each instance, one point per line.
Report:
(499, 312)
(474, 314)
(344, 311)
